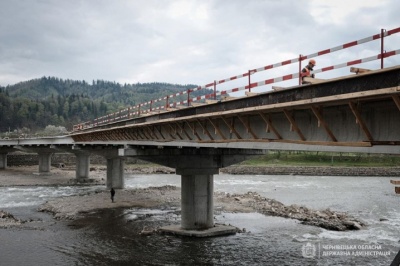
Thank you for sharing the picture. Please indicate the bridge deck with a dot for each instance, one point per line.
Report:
(357, 110)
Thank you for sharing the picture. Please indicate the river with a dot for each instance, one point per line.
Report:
(111, 237)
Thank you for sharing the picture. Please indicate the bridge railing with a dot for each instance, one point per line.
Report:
(175, 100)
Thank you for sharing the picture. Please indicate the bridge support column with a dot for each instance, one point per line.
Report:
(82, 166)
(197, 203)
(197, 167)
(3, 160)
(115, 173)
(44, 162)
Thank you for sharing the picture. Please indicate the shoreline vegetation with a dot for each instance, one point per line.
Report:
(74, 207)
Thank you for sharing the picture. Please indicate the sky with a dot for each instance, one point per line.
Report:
(185, 41)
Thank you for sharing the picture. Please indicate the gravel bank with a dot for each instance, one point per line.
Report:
(75, 207)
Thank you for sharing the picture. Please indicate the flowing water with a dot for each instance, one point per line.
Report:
(111, 237)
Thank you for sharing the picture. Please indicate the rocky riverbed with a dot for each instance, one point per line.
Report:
(327, 219)
(75, 207)
(167, 196)
(8, 220)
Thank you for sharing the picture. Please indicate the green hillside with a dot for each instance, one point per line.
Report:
(32, 105)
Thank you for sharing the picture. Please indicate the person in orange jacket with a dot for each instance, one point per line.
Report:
(306, 71)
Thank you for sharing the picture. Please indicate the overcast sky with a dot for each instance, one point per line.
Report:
(183, 41)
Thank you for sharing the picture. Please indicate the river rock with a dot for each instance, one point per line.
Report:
(7, 220)
(327, 218)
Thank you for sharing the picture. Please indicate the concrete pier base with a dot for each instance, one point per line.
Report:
(216, 230)
(115, 173)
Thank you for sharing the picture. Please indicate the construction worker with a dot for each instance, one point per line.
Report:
(306, 71)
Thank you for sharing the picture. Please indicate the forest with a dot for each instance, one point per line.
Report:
(29, 107)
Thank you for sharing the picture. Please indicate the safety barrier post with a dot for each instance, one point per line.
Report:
(151, 105)
(166, 103)
(382, 48)
(188, 97)
(215, 89)
(139, 109)
(249, 80)
(300, 58)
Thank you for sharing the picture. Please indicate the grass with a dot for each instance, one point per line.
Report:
(294, 158)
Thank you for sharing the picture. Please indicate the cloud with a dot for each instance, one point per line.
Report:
(181, 41)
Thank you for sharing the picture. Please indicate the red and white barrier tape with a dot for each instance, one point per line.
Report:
(232, 78)
(359, 61)
(350, 63)
(330, 50)
(105, 119)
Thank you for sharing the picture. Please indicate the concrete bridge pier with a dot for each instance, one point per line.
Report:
(115, 164)
(44, 162)
(115, 173)
(44, 154)
(197, 202)
(82, 166)
(197, 168)
(3, 160)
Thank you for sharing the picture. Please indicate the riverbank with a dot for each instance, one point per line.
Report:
(281, 170)
(311, 170)
(29, 176)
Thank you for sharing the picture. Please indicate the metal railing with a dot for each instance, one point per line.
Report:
(172, 101)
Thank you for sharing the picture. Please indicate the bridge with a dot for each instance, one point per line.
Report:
(355, 113)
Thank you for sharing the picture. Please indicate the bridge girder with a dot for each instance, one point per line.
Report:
(285, 124)
(358, 111)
